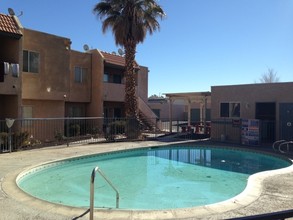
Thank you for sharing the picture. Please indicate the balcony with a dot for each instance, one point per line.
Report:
(113, 92)
(9, 78)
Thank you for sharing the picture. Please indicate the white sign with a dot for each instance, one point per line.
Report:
(9, 122)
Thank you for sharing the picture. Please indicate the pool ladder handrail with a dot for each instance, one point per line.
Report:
(92, 190)
(277, 144)
(288, 143)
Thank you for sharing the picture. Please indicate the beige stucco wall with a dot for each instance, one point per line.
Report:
(113, 92)
(46, 109)
(53, 67)
(164, 107)
(8, 106)
(248, 95)
(45, 131)
(142, 83)
(55, 80)
(80, 92)
(95, 107)
(53, 87)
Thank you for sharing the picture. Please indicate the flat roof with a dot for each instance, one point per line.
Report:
(188, 95)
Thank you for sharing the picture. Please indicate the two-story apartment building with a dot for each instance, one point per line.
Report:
(46, 79)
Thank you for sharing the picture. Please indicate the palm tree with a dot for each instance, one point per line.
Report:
(130, 21)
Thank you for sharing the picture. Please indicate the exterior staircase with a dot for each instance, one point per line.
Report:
(148, 119)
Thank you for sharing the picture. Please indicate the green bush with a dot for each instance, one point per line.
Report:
(3, 138)
(74, 130)
(59, 136)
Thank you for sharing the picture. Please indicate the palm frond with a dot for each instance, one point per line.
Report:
(129, 18)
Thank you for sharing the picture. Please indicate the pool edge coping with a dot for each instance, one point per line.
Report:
(250, 194)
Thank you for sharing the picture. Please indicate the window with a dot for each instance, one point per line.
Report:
(112, 78)
(75, 111)
(117, 112)
(224, 110)
(106, 77)
(230, 110)
(27, 112)
(79, 74)
(117, 79)
(31, 61)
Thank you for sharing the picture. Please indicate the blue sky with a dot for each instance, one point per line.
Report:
(202, 43)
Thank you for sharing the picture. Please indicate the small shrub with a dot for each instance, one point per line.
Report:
(74, 130)
(3, 137)
(59, 137)
(20, 140)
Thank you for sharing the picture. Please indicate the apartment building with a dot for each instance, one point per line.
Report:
(42, 77)
(10, 62)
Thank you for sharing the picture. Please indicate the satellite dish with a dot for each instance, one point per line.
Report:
(11, 11)
(86, 47)
(121, 52)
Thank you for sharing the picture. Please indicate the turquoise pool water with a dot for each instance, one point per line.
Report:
(149, 178)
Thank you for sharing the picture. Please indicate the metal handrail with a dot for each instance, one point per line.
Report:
(92, 189)
(285, 143)
(275, 144)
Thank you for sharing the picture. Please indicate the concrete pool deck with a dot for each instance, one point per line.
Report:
(266, 192)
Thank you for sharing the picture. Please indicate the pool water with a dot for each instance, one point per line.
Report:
(150, 178)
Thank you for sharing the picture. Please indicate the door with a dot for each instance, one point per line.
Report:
(286, 121)
(266, 113)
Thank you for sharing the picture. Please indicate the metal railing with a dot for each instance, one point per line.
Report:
(286, 143)
(276, 144)
(92, 190)
(31, 133)
(226, 130)
(279, 145)
(229, 130)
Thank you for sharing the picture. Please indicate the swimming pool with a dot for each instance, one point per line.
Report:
(159, 178)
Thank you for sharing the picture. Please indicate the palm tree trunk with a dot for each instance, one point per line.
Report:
(131, 109)
(130, 84)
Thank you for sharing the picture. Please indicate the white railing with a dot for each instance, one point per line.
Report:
(92, 190)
